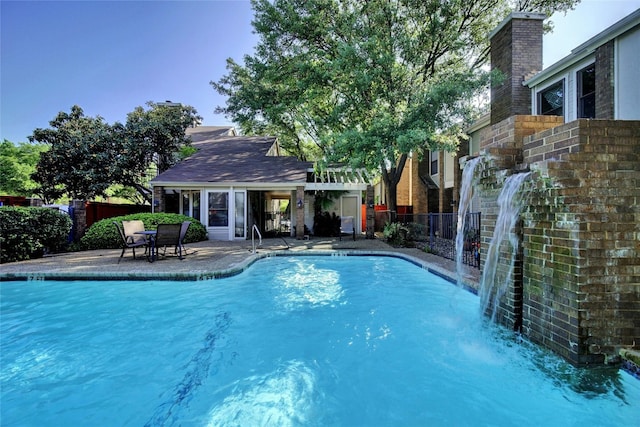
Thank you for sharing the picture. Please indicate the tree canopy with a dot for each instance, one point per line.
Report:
(17, 163)
(87, 155)
(366, 82)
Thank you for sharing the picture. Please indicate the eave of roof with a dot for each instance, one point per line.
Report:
(587, 48)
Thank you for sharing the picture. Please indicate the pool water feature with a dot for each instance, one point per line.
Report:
(466, 193)
(307, 340)
(503, 247)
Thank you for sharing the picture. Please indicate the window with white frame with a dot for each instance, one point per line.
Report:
(239, 214)
(218, 209)
(550, 100)
(586, 88)
(191, 204)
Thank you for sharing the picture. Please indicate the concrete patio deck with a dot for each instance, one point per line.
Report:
(212, 259)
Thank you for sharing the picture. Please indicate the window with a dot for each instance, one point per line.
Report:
(434, 162)
(586, 80)
(218, 209)
(239, 215)
(551, 100)
(191, 204)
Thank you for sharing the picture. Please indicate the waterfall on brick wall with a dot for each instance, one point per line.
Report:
(504, 245)
(466, 194)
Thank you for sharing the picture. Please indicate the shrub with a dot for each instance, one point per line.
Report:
(30, 232)
(326, 225)
(417, 232)
(396, 234)
(103, 234)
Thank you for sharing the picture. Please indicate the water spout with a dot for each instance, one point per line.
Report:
(509, 204)
(466, 194)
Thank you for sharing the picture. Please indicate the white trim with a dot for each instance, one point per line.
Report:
(218, 232)
(334, 186)
(232, 224)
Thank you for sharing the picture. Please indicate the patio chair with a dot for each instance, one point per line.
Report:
(168, 235)
(132, 241)
(183, 232)
(346, 227)
(131, 227)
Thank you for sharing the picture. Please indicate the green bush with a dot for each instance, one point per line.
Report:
(396, 234)
(30, 232)
(326, 225)
(417, 232)
(103, 234)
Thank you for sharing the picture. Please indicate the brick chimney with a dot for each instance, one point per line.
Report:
(516, 50)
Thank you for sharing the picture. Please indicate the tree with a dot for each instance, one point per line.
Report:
(87, 156)
(156, 136)
(80, 160)
(365, 82)
(17, 163)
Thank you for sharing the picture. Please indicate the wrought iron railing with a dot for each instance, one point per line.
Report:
(437, 233)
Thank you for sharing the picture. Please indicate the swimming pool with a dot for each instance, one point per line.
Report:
(310, 340)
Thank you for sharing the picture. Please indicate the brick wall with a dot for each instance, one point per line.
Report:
(502, 148)
(403, 190)
(581, 239)
(576, 283)
(605, 81)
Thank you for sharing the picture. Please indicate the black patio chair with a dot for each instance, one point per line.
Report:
(167, 235)
(183, 232)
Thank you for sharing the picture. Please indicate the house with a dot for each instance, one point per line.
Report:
(233, 182)
(427, 185)
(598, 80)
(574, 128)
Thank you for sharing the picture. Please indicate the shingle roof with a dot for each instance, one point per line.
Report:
(234, 159)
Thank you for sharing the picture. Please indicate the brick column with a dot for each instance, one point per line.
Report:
(158, 199)
(605, 81)
(516, 51)
(79, 218)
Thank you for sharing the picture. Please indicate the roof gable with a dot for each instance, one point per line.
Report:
(234, 159)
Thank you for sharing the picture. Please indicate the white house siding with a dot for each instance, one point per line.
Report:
(627, 104)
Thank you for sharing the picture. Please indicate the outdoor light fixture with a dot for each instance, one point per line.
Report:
(300, 203)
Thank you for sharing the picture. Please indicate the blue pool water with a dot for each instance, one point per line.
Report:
(292, 341)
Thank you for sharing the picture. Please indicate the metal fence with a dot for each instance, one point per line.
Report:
(436, 232)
